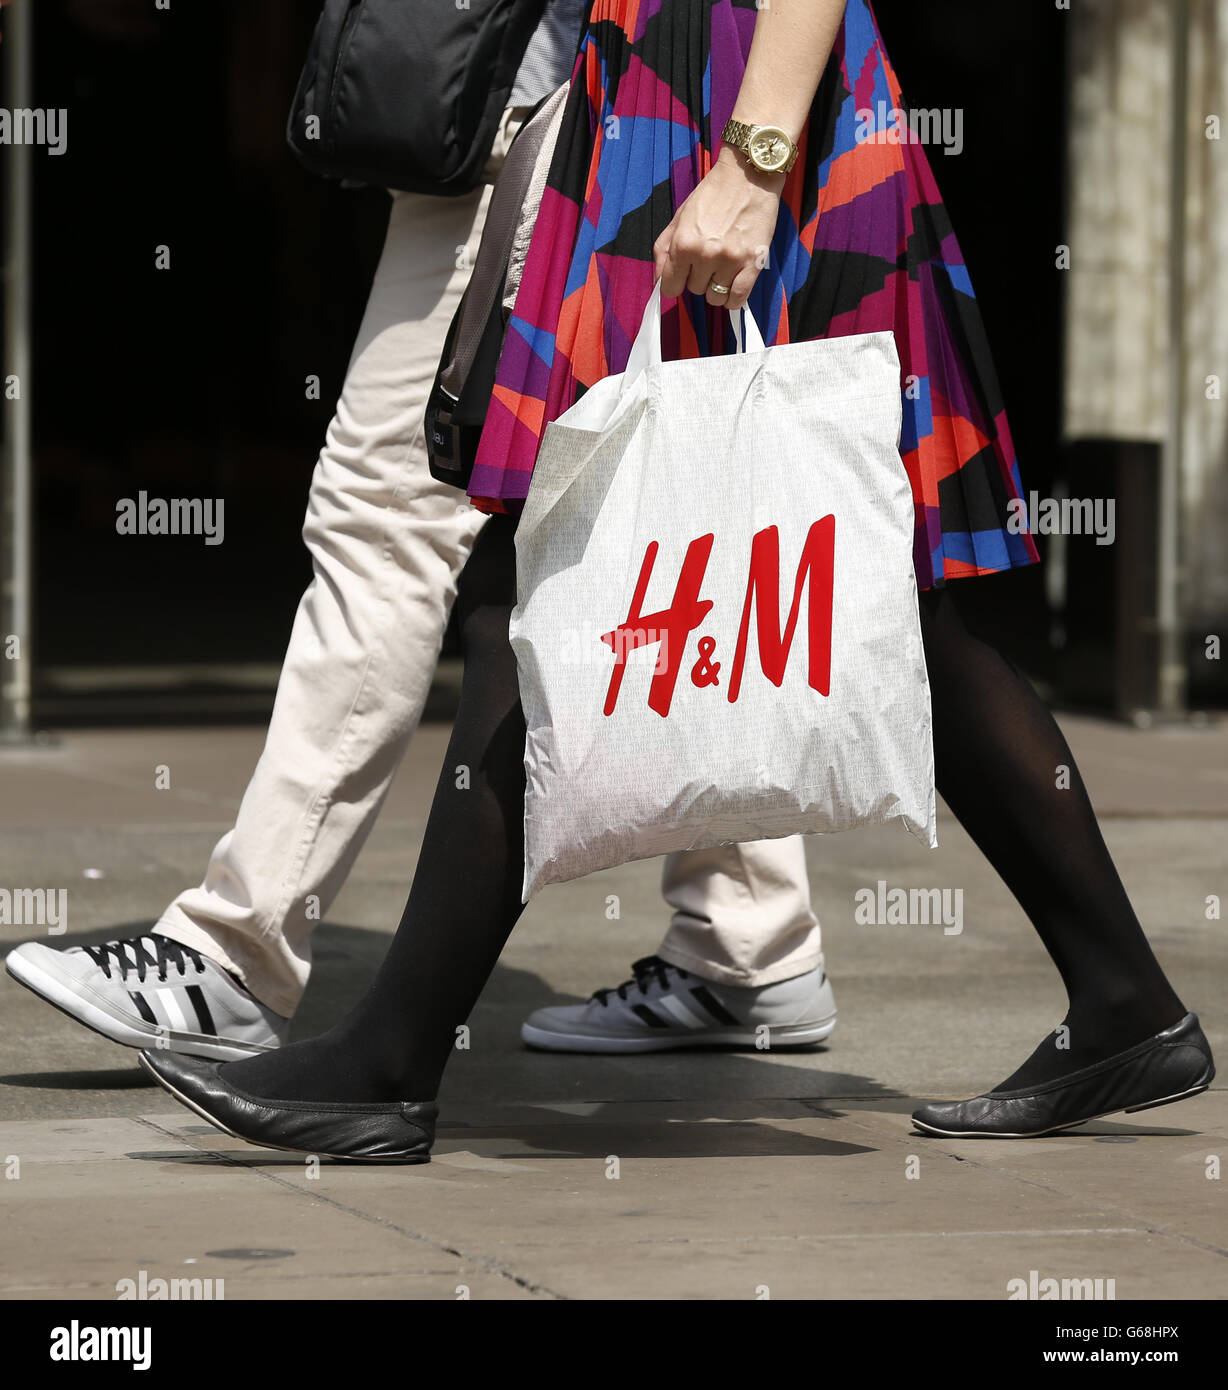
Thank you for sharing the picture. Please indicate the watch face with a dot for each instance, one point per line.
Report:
(770, 148)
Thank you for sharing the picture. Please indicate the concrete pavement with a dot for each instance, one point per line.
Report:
(687, 1175)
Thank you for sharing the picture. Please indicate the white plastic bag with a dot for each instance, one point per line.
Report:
(662, 715)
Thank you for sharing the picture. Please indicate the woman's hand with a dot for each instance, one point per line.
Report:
(721, 233)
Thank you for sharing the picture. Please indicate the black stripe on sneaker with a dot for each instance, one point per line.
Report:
(704, 996)
(142, 1007)
(644, 1012)
(201, 1005)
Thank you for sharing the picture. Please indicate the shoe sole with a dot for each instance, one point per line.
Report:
(262, 1143)
(126, 1031)
(792, 1035)
(1072, 1124)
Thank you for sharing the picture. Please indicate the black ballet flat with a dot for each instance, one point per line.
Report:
(1171, 1066)
(402, 1132)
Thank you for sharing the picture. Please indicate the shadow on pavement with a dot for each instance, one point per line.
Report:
(111, 1080)
(498, 1090)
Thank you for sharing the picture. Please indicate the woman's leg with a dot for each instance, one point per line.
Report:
(999, 757)
(465, 897)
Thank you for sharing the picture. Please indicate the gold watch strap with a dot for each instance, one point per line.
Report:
(737, 133)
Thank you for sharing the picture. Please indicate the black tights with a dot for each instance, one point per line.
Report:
(997, 752)
(1006, 771)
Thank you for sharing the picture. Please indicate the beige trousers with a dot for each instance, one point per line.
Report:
(387, 544)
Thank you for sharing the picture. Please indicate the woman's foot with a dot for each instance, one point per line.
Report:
(358, 1065)
(1170, 1066)
(397, 1132)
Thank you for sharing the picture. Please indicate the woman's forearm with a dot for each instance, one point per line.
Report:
(721, 234)
(791, 45)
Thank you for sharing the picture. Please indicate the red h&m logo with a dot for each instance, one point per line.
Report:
(672, 626)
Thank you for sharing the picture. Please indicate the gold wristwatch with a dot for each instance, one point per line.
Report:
(767, 147)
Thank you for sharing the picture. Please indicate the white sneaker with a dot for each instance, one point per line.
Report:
(664, 1007)
(150, 991)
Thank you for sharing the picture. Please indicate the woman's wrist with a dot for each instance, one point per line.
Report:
(734, 159)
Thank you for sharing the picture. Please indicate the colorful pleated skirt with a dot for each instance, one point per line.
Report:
(863, 243)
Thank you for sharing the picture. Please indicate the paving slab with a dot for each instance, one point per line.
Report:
(740, 1174)
(611, 1201)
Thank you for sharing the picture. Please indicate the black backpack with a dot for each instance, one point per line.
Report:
(408, 94)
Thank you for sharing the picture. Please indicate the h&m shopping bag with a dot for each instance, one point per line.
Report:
(717, 631)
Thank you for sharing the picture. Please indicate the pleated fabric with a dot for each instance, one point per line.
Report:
(863, 243)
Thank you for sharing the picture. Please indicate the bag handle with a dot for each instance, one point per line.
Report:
(744, 323)
(646, 350)
(532, 145)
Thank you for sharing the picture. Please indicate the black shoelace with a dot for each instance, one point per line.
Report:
(166, 952)
(643, 972)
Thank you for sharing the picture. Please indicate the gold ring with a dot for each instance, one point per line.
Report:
(718, 289)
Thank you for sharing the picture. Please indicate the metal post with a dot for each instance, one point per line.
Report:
(1171, 676)
(16, 161)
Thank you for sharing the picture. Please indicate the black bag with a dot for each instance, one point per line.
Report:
(460, 396)
(408, 94)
